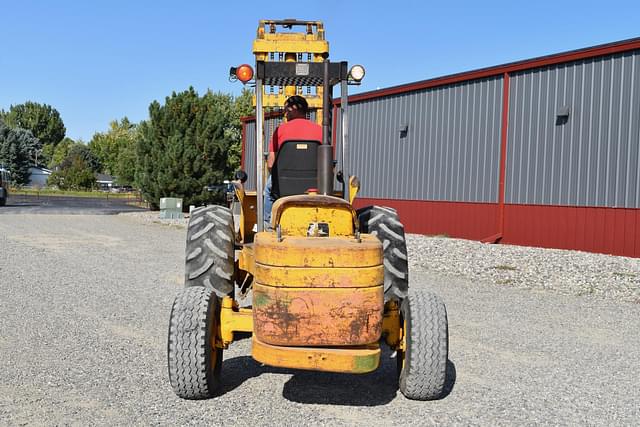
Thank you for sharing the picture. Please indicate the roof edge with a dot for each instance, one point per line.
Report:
(510, 67)
(492, 71)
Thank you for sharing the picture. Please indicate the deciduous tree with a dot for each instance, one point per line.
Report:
(77, 170)
(42, 120)
(115, 149)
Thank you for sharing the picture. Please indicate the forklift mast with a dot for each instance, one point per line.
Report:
(275, 42)
(297, 63)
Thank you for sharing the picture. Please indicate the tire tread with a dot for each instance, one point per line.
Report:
(210, 248)
(424, 374)
(385, 224)
(194, 367)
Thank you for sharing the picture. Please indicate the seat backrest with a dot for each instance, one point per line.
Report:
(295, 169)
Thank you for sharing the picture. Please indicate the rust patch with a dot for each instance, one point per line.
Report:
(318, 316)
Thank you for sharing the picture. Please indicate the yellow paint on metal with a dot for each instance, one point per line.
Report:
(278, 99)
(296, 220)
(289, 43)
(354, 360)
(246, 258)
(317, 316)
(269, 41)
(314, 277)
(317, 251)
(402, 347)
(296, 214)
(391, 328)
(354, 187)
(233, 319)
(248, 211)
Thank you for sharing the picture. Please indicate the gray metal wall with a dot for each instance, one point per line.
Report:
(250, 147)
(592, 159)
(451, 150)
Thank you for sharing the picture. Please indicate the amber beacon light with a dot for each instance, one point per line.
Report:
(244, 73)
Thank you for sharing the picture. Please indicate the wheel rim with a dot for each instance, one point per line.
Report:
(214, 349)
(403, 343)
(402, 346)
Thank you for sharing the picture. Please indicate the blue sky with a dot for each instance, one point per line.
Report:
(96, 61)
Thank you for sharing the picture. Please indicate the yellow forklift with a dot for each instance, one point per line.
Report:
(328, 283)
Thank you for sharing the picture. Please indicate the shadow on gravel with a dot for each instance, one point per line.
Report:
(450, 380)
(377, 388)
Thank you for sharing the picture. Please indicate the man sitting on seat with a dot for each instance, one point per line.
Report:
(296, 128)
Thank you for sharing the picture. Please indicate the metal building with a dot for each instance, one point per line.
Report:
(542, 152)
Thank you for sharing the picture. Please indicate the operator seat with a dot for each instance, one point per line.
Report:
(295, 169)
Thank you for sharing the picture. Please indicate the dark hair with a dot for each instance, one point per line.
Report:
(297, 102)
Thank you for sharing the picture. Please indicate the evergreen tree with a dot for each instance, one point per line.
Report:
(15, 147)
(243, 107)
(186, 145)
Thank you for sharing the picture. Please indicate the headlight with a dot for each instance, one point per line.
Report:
(356, 73)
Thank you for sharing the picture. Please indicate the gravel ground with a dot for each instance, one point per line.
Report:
(567, 272)
(85, 305)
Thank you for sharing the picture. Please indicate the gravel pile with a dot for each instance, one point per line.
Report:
(567, 272)
(153, 217)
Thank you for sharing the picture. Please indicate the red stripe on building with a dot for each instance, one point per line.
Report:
(465, 220)
(612, 231)
(592, 229)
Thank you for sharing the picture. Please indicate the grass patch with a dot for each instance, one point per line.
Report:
(504, 282)
(624, 274)
(587, 290)
(71, 193)
(505, 268)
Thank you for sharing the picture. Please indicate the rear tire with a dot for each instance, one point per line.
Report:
(210, 250)
(193, 360)
(385, 224)
(422, 366)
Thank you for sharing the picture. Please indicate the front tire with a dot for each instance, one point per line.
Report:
(422, 366)
(193, 360)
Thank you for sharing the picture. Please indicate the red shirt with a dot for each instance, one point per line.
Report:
(296, 129)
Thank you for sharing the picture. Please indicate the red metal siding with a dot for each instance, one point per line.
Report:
(613, 231)
(593, 229)
(465, 220)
